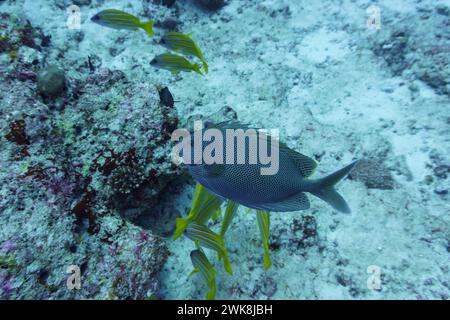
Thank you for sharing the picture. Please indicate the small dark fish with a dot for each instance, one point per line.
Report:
(117, 19)
(165, 97)
(174, 63)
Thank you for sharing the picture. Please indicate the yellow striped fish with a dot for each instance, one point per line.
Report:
(263, 218)
(204, 205)
(175, 63)
(230, 212)
(207, 238)
(201, 264)
(182, 43)
(117, 19)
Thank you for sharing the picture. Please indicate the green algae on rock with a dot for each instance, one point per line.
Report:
(50, 82)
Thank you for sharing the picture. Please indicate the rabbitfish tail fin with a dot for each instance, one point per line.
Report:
(326, 190)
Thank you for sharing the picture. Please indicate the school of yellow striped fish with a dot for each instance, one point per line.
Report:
(176, 42)
(206, 207)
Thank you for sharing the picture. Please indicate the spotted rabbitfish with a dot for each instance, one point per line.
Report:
(281, 192)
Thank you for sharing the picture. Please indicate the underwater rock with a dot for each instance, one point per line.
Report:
(167, 3)
(298, 236)
(305, 232)
(160, 219)
(441, 188)
(394, 51)
(25, 75)
(131, 158)
(77, 35)
(111, 141)
(373, 174)
(210, 5)
(424, 50)
(343, 279)
(18, 35)
(442, 171)
(50, 82)
(267, 286)
(168, 24)
(443, 10)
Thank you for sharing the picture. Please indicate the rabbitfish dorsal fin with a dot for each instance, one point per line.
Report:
(296, 202)
(305, 164)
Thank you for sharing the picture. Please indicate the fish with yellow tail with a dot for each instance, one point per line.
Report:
(175, 64)
(230, 213)
(183, 43)
(263, 218)
(203, 266)
(117, 19)
(204, 204)
(207, 238)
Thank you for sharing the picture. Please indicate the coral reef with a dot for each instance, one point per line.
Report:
(79, 154)
(372, 174)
